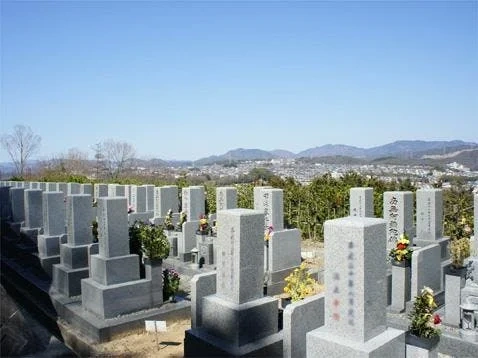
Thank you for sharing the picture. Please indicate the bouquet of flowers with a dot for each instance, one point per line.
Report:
(170, 283)
(423, 322)
(203, 223)
(168, 220)
(401, 251)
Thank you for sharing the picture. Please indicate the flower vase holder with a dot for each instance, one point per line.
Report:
(154, 272)
(401, 285)
(421, 347)
(454, 282)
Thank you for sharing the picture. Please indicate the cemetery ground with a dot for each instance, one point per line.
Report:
(144, 344)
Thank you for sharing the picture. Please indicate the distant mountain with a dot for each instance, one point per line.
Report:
(415, 148)
(405, 149)
(281, 153)
(238, 154)
(467, 157)
(332, 150)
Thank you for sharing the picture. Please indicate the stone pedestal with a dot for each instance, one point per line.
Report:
(401, 287)
(114, 287)
(73, 267)
(113, 300)
(49, 251)
(321, 343)
(454, 282)
(173, 243)
(154, 273)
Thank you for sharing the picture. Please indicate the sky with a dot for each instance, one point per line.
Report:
(189, 79)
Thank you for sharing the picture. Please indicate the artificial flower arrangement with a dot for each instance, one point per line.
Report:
(168, 220)
(402, 250)
(170, 283)
(301, 284)
(459, 245)
(423, 322)
(183, 217)
(203, 223)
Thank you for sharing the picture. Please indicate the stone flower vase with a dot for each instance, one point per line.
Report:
(154, 272)
(421, 342)
(403, 263)
(454, 282)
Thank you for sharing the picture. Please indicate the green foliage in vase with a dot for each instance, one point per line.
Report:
(422, 321)
(150, 240)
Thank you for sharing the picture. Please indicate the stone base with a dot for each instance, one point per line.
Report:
(114, 300)
(50, 245)
(47, 263)
(417, 352)
(198, 343)
(74, 256)
(321, 343)
(114, 270)
(67, 281)
(239, 324)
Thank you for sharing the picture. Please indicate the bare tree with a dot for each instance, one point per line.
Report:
(21, 145)
(77, 161)
(117, 156)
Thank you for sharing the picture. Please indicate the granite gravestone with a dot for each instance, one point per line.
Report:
(226, 198)
(398, 212)
(193, 202)
(165, 199)
(355, 293)
(237, 320)
(115, 286)
(361, 202)
(73, 266)
(53, 230)
(271, 203)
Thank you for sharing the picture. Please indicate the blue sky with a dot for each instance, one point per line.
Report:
(184, 80)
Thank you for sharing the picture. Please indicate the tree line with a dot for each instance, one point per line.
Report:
(306, 206)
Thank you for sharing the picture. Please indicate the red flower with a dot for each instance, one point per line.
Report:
(436, 319)
(401, 246)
